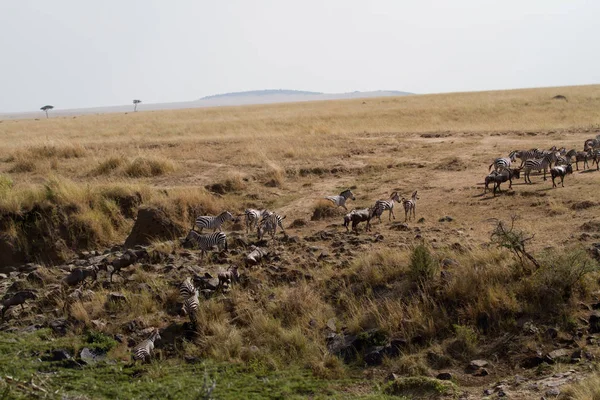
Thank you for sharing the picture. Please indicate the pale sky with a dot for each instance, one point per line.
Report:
(84, 53)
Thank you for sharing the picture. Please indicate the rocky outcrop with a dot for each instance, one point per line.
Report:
(153, 224)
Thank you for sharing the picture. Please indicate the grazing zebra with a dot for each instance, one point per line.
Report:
(560, 170)
(190, 307)
(207, 242)
(503, 162)
(252, 217)
(583, 156)
(340, 201)
(410, 206)
(142, 351)
(215, 223)
(17, 299)
(537, 164)
(269, 225)
(382, 205)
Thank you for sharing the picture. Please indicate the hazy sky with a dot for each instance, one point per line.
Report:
(75, 53)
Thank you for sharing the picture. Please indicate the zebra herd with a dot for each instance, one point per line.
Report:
(557, 161)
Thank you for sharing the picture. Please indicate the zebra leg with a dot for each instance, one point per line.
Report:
(553, 184)
(544, 173)
(562, 181)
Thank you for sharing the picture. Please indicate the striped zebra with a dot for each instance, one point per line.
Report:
(143, 350)
(252, 217)
(382, 205)
(410, 206)
(525, 155)
(340, 201)
(190, 307)
(596, 158)
(207, 242)
(537, 165)
(269, 225)
(504, 162)
(214, 223)
(187, 288)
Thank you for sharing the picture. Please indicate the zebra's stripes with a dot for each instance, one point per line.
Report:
(269, 225)
(583, 156)
(383, 205)
(410, 206)
(525, 155)
(187, 288)
(537, 165)
(143, 350)
(252, 217)
(214, 223)
(207, 242)
(190, 307)
(340, 201)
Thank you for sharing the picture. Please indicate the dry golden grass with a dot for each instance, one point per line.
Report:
(286, 158)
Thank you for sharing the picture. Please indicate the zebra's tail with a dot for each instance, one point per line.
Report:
(490, 167)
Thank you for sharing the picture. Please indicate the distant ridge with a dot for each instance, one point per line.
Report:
(252, 97)
(267, 92)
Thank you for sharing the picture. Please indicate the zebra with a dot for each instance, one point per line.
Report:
(583, 156)
(17, 299)
(269, 224)
(215, 223)
(382, 205)
(252, 217)
(410, 206)
(340, 201)
(187, 288)
(142, 351)
(525, 155)
(503, 162)
(560, 170)
(537, 164)
(207, 242)
(595, 154)
(190, 306)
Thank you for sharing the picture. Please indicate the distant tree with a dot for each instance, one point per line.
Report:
(46, 108)
(135, 103)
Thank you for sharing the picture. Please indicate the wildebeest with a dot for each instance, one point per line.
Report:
(500, 177)
(560, 171)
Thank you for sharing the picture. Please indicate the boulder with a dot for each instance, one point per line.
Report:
(153, 224)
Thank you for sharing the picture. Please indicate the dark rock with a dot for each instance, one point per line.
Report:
(392, 377)
(399, 226)
(444, 376)
(447, 218)
(57, 355)
(90, 356)
(421, 220)
(35, 277)
(59, 326)
(594, 322)
(532, 361)
(481, 372)
(438, 361)
(374, 356)
(116, 297)
(119, 338)
(476, 365)
(553, 392)
(449, 262)
(153, 224)
(551, 333)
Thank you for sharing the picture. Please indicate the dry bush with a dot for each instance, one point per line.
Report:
(234, 182)
(23, 164)
(452, 164)
(6, 184)
(108, 166)
(275, 176)
(144, 167)
(57, 150)
(324, 209)
(586, 389)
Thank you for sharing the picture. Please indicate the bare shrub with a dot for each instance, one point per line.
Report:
(143, 167)
(323, 209)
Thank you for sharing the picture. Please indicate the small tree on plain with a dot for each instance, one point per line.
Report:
(46, 108)
(135, 104)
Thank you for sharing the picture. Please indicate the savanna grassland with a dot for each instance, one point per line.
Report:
(441, 291)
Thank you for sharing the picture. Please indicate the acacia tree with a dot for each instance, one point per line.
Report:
(46, 108)
(135, 103)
